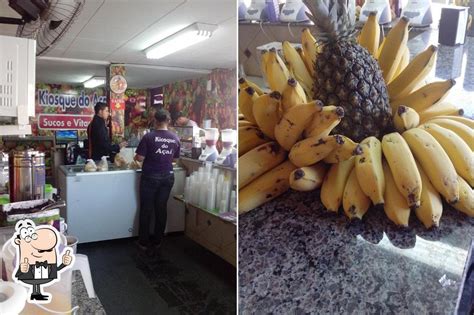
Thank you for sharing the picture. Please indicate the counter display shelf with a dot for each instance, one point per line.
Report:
(105, 205)
(211, 231)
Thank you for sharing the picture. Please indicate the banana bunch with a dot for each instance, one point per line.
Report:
(427, 159)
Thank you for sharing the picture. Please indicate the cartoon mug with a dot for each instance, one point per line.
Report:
(37, 252)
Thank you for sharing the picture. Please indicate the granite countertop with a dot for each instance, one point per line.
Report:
(81, 299)
(295, 258)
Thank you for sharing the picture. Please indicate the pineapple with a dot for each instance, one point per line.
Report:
(346, 74)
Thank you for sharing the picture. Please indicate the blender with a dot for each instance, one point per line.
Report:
(210, 153)
(382, 7)
(229, 153)
(419, 13)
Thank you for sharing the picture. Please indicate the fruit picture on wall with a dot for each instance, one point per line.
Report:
(351, 114)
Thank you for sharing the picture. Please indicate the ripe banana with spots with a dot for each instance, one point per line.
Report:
(344, 152)
(354, 201)
(300, 71)
(466, 198)
(324, 121)
(368, 167)
(276, 71)
(435, 162)
(392, 50)
(416, 71)
(440, 109)
(291, 126)
(405, 118)
(370, 34)
(266, 110)
(396, 207)
(312, 150)
(466, 133)
(266, 187)
(258, 161)
(308, 178)
(292, 95)
(426, 96)
(246, 98)
(431, 207)
(310, 49)
(332, 189)
(403, 167)
(263, 63)
(245, 83)
(249, 138)
(458, 151)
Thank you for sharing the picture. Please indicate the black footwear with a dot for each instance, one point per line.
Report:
(39, 297)
(141, 246)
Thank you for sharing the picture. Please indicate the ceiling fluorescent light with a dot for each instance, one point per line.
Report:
(186, 37)
(94, 82)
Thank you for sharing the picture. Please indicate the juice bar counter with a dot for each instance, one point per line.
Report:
(105, 205)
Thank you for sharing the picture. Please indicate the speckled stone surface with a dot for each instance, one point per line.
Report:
(80, 298)
(295, 258)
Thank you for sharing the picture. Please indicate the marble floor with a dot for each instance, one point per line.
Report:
(183, 279)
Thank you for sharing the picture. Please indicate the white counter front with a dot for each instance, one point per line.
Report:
(105, 205)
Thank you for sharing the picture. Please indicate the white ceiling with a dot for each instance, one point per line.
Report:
(118, 31)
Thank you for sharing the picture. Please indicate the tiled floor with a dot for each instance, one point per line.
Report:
(183, 279)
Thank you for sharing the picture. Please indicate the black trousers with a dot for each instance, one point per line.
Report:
(154, 193)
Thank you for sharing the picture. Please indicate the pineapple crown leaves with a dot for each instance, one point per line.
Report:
(333, 19)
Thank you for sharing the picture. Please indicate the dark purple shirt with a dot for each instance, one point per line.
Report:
(159, 147)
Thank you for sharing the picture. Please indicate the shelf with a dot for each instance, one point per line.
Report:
(230, 169)
(181, 198)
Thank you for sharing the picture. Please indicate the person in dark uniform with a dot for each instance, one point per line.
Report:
(98, 135)
(156, 150)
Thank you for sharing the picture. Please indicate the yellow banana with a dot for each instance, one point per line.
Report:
(440, 109)
(258, 161)
(290, 128)
(324, 121)
(403, 62)
(403, 167)
(458, 151)
(466, 198)
(344, 152)
(312, 150)
(392, 50)
(464, 120)
(334, 183)
(303, 57)
(396, 207)
(416, 71)
(249, 138)
(354, 201)
(245, 83)
(246, 98)
(370, 34)
(405, 118)
(266, 110)
(265, 188)
(425, 96)
(377, 55)
(308, 178)
(309, 45)
(292, 95)
(246, 123)
(435, 162)
(299, 68)
(368, 166)
(276, 72)
(263, 63)
(431, 206)
(466, 133)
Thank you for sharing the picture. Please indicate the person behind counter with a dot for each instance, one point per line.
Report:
(156, 150)
(184, 121)
(98, 134)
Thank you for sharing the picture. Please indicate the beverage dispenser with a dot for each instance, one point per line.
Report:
(210, 153)
(228, 155)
